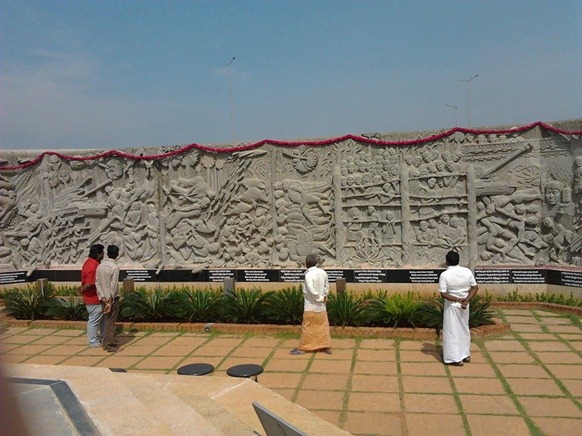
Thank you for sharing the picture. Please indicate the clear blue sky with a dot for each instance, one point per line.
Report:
(117, 74)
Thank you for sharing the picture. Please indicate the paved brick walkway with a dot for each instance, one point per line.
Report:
(525, 382)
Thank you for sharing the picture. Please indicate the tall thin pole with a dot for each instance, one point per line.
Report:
(468, 81)
(456, 113)
(231, 105)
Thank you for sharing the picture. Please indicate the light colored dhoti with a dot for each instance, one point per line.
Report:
(456, 334)
(314, 332)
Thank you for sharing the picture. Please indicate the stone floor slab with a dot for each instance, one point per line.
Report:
(375, 368)
(488, 404)
(430, 403)
(565, 371)
(488, 425)
(374, 383)
(377, 355)
(330, 382)
(276, 380)
(430, 385)
(523, 371)
(511, 357)
(331, 367)
(386, 402)
(287, 365)
(320, 400)
(157, 362)
(558, 426)
(530, 386)
(427, 369)
(550, 407)
(571, 358)
(382, 344)
(469, 385)
(361, 423)
(434, 425)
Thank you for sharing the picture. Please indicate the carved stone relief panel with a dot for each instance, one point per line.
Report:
(511, 198)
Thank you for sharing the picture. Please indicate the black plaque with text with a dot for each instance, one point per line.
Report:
(493, 276)
(218, 275)
(139, 275)
(528, 276)
(370, 276)
(292, 275)
(571, 278)
(334, 274)
(257, 275)
(423, 276)
(8, 278)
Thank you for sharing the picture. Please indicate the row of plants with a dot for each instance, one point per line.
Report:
(285, 307)
(542, 297)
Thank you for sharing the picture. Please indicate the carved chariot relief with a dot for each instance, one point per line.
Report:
(501, 198)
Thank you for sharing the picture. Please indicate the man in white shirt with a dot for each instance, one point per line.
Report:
(315, 328)
(457, 286)
(107, 283)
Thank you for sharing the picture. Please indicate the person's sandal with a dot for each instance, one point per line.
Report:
(296, 351)
(327, 351)
(467, 359)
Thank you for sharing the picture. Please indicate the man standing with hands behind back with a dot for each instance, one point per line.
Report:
(107, 283)
(457, 286)
(315, 328)
(89, 292)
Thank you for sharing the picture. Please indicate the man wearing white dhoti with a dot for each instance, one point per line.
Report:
(457, 286)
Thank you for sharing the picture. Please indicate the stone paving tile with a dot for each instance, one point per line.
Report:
(378, 355)
(560, 358)
(287, 365)
(330, 382)
(343, 343)
(426, 369)
(376, 368)
(30, 349)
(488, 425)
(158, 362)
(214, 350)
(569, 337)
(80, 340)
(283, 353)
(523, 371)
(473, 370)
(577, 345)
(186, 341)
(341, 354)
(138, 350)
(550, 407)
(4, 348)
(118, 361)
(469, 385)
(419, 356)
(51, 340)
(374, 423)
(545, 346)
(152, 340)
(227, 341)
(558, 426)
(538, 336)
(45, 360)
(232, 361)
(331, 367)
(565, 329)
(320, 400)
(573, 386)
(15, 358)
(433, 385)
(70, 333)
(434, 425)
(556, 321)
(529, 386)
(383, 344)
(374, 402)
(374, 383)
(20, 339)
(83, 360)
(12, 331)
(214, 361)
(175, 350)
(526, 328)
(261, 341)
(276, 380)
(488, 404)
(252, 352)
(511, 357)
(41, 331)
(289, 394)
(507, 345)
(430, 403)
(514, 319)
(565, 371)
(332, 417)
(63, 350)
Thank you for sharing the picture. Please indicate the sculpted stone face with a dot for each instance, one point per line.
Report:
(552, 195)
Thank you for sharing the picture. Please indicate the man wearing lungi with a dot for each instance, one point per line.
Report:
(315, 328)
(457, 286)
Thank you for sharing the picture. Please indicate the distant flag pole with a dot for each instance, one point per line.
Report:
(231, 105)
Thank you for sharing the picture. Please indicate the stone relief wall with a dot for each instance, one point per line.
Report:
(500, 199)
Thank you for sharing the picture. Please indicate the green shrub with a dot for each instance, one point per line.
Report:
(542, 298)
(285, 306)
(27, 303)
(480, 312)
(346, 309)
(70, 309)
(395, 311)
(151, 306)
(200, 305)
(245, 306)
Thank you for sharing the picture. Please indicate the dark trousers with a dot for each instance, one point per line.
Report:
(109, 329)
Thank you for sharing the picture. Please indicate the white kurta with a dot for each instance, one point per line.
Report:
(456, 281)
